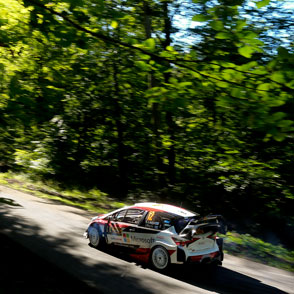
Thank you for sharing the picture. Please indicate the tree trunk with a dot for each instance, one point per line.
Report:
(169, 117)
(155, 106)
(122, 163)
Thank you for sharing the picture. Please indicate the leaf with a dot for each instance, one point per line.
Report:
(223, 35)
(246, 51)
(278, 77)
(3, 21)
(279, 137)
(144, 56)
(283, 52)
(285, 123)
(262, 3)
(264, 87)
(142, 65)
(217, 25)
(232, 152)
(249, 65)
(240, 24)
(185, 84)
(278, 115)
(237, 92)
(201, 17)
(114, 24)
(222, 84)
(150, 43)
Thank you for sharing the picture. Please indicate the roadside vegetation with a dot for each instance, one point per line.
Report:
(253, 248)
(242, 245)
(93, 200)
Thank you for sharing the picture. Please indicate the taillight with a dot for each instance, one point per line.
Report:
(184, 243)
(178, 242)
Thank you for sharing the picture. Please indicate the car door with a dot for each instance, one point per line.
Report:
(130, 231)
(114, 227)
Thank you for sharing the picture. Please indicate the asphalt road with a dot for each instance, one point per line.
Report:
(54, 232)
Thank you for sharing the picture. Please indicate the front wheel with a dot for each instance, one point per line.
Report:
(159, 258)
(94, 237)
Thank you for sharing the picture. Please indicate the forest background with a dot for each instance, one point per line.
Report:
(186, 102)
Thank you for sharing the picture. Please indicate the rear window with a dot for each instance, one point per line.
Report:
(182, 222)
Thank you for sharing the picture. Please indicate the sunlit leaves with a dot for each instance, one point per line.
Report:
(114, 24)
(262, 3)
(217, 25)
(278, 77)
(223, 35)
(201, 17)
(264, 87)
(246, 51)
(150, 44)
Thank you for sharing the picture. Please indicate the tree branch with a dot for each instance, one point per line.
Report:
(154, 56)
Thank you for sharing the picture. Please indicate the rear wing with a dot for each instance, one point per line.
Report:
(213, 221)
(210, 223)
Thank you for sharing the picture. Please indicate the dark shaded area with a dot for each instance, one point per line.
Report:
(221, 280)
(26, 272)
(209, 277)
(34, 276)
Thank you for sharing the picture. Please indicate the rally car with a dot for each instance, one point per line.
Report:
(160, 234)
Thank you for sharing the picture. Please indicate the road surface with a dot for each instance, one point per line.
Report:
(54, 232)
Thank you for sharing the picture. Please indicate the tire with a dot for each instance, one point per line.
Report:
(220, 244)
(159, 258)
(94, 237)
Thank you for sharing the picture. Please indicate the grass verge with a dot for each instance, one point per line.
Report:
(93, 200)
(247, 246)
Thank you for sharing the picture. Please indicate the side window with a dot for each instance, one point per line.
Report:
(133, 216)
(159, 220)
(119, 216)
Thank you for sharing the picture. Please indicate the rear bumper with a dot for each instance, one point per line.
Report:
(214, 257)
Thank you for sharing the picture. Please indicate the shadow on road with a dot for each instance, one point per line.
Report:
(216, 279)
(8, 201)
(112, 277)
(103, 276)
(222, 280)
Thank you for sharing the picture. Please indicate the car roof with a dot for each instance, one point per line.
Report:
(165, 207)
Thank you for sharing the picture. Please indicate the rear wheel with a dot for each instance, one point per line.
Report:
(159, 258)
(220, 242)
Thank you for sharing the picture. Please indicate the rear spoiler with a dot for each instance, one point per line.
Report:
(213, 220)
(209, 223)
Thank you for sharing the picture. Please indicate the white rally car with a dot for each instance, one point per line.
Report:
(160, 234)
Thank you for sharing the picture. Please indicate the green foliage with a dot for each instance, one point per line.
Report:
(256, 249)
(93, 200)
(108, 95)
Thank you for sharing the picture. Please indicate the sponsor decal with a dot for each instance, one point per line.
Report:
(126, 238)
(142, 239)
(150, 215)
(116, 239)
(115, 230)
